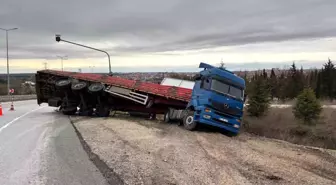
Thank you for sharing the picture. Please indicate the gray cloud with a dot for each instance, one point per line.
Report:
(158, 26)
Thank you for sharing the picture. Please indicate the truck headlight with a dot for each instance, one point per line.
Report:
(207, 110)
(206, 116)
(236, 126)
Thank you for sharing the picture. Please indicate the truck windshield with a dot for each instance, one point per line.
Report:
(227, 89)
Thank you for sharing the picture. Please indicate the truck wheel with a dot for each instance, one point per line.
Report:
(78, 86)
(63, 84)
(96, 88)
(188, 121)
(166, 117)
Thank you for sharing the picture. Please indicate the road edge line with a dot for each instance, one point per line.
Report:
(108, 173)
(17, 118)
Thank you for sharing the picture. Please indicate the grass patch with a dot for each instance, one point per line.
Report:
(280, 123)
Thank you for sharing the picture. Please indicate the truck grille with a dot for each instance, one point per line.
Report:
(224, 109)
(224, 114)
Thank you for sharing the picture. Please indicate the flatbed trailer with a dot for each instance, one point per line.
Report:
(119, 93)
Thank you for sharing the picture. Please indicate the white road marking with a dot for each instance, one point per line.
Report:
(9, 123)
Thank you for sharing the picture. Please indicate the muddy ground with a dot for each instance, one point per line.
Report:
(139, 151)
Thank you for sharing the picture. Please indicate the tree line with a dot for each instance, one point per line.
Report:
(290, 83)
(306, 88)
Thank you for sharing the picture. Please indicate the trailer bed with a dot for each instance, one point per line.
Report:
(168, 92)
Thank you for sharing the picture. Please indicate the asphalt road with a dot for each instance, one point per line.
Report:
(39, 146)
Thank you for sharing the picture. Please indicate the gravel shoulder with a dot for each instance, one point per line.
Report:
(152, 152)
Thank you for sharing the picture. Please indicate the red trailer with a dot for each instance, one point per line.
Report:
(99, 94)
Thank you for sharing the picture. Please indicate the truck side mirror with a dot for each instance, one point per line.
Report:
(245, 95)
(197, 77)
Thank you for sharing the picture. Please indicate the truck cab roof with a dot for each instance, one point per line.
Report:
(220, 73)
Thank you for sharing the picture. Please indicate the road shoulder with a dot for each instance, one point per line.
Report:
(151, 152)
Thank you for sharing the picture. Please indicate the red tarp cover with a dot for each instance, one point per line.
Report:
(177, 93)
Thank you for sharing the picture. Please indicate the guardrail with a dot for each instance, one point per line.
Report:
(17, 98)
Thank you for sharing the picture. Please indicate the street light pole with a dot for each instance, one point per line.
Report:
(58, 38)
(91, 67)
(62, 57)
(8, 82)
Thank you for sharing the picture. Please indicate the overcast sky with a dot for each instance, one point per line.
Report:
(151, 35)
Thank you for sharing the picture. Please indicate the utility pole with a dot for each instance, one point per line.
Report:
(7, 30)
(62, 58)
(91, 67)
(45, 65)
(58, 39)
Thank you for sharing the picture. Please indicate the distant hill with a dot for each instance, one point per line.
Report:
(19, 76)
(144, 75)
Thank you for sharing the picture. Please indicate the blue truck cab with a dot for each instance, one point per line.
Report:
(217, 100)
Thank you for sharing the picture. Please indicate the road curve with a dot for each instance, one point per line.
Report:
(39, 146)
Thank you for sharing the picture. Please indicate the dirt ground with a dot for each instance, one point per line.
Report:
(152, 152)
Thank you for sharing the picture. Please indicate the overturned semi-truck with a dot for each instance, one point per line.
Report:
(217, 97)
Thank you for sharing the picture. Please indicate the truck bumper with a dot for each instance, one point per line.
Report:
(210, 118)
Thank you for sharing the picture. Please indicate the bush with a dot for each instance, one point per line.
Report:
(307, 107)
(259, 99)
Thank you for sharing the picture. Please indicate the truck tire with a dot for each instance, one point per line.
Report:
(188, 121)
(96, 88)
(166, 117)
(80, 86)
(63, 84)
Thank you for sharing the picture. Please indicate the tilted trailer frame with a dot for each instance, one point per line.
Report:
(70, 90)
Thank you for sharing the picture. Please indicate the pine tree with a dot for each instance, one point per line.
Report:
(312, 79)
(259, 98)
(245, 75)
(247, 83)
(302, 79)
(318, 85)
(328, 75)
(282, 85)
(307, 107)
(294, 82)
(273, 84)
(264, 74)
(222, 65)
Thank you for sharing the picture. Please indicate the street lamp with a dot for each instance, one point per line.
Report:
(58, 39)
(91, 67)
(7, 30)
(62, 58)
